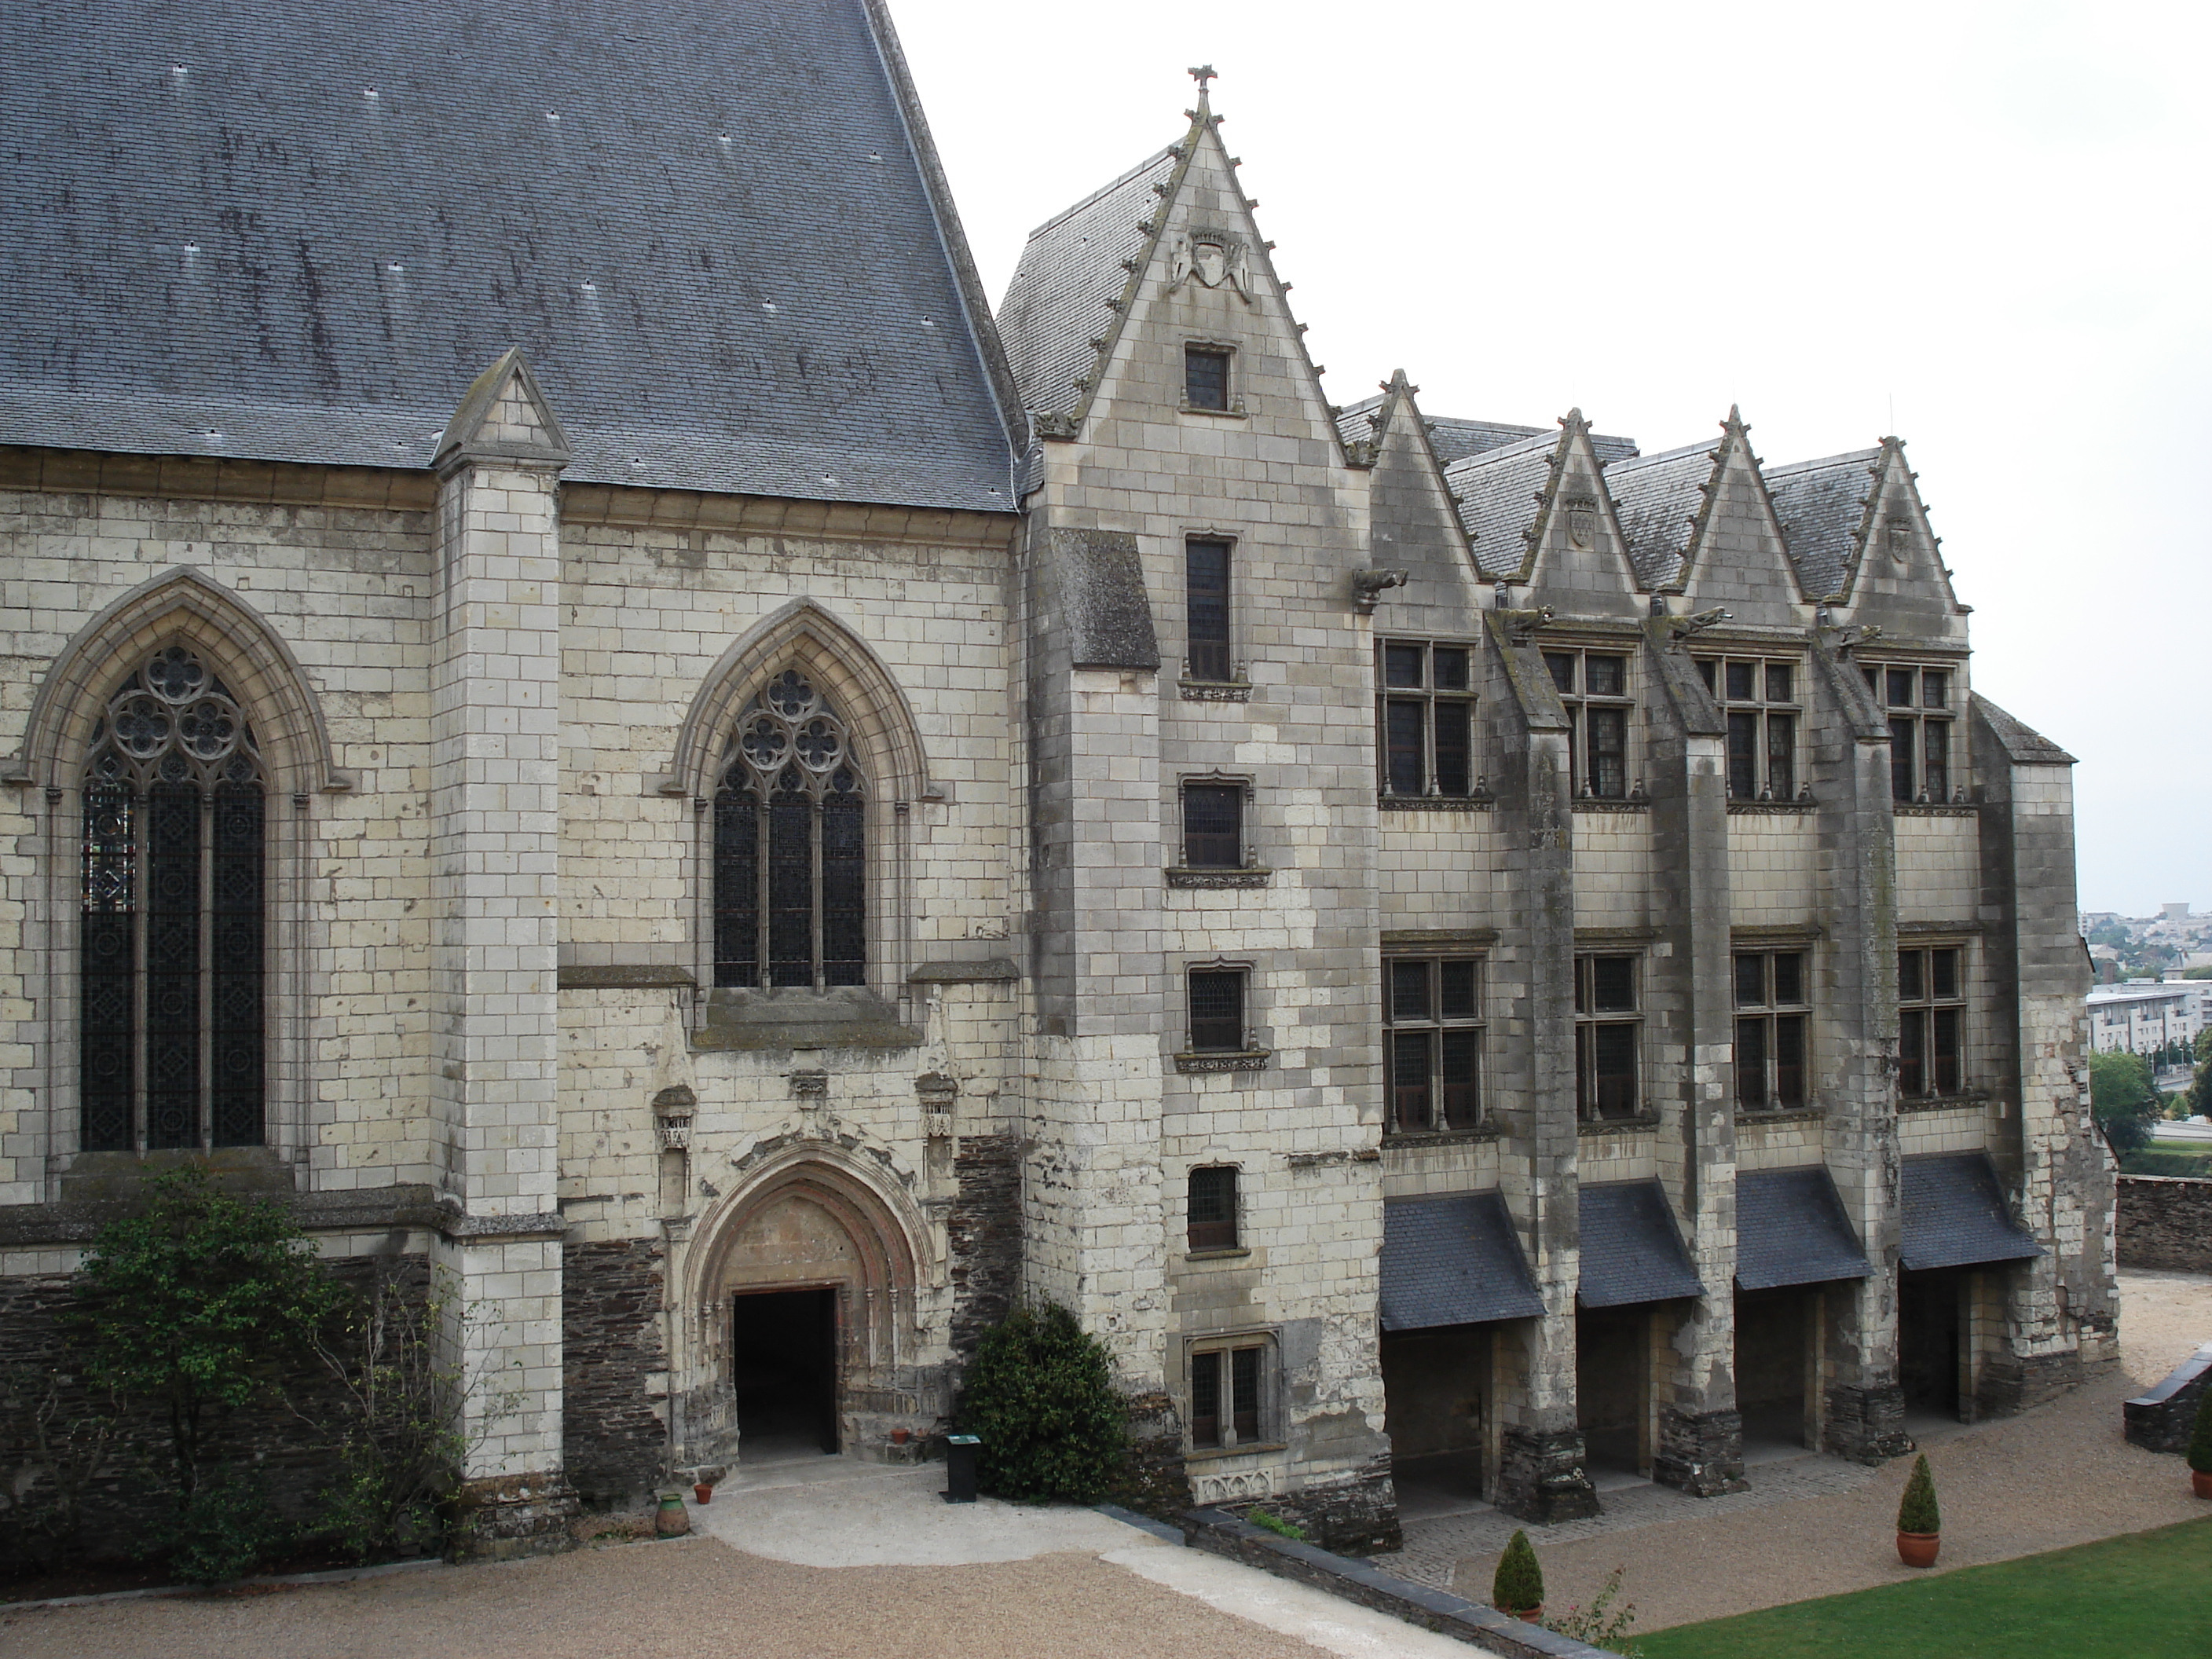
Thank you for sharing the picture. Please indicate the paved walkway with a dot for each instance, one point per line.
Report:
(1816, 1526)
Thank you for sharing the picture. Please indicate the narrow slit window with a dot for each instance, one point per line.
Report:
(1206, 610)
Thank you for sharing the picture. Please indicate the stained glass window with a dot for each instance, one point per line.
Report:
(790, 846)
(170, 1041)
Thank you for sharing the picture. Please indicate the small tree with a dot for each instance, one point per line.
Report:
(1517, 1587)
(1916, 1510)
(2122, 1099)
(1041, 1397)
(193, 1305)
(2200, 1436)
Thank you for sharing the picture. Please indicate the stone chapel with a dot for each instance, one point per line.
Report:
(577, 705)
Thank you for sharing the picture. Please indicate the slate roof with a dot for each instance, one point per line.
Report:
(1497, 492)
(2022, 743)
(1791, 1229)
(1453, 1261)
(1655, 497)
(1453, 439)
(1055, 305)
(1630, 1250)
(298, 233)
(1822, 507)
(1954, 1214)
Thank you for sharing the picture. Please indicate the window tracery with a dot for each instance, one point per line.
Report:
(790, 846)
(170, 945)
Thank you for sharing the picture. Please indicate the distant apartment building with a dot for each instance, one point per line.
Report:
(2143, 1017)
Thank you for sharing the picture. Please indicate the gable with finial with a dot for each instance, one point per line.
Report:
(1413, 526)
(1894, 576)
(1735, 556)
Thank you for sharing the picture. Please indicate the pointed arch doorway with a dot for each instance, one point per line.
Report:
(804, 1292)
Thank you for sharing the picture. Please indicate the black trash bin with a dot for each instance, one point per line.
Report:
(960, 1468)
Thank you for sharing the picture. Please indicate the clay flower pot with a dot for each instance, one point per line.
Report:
(2200, 1483)
(1918, 1549)
(703, 1492)
(670, 1520)
(899, 1436)
(1526, 1615)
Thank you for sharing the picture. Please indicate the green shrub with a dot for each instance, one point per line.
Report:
(1276, 1524)
(1041, 1397)
(1916, 1512)
(2157, 1161)
(223, 1530)
(2200, 1438)
(1518, 1584)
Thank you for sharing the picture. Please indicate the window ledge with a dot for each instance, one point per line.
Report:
(1929, 808)
(1234, 1252)
(1245, 1060)
(1476, 803)
(753, 1020)
(1214, 690)
(1413, 1139)
(1210, 1454)
(1248, 877)
(1599, 804)
(1940, 1102)
(1745, 1115)
(1614, 1126)
(1779, 809)
(1236, 411)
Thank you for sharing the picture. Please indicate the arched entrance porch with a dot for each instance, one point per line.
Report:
(801, 1306)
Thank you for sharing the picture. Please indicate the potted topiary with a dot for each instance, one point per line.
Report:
(2200, 1445)
(1919, 1524)
(1518, 1590)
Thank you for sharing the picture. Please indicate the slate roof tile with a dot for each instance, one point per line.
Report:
(707, 228)
(1791, 1229)
(1497, 490)
(1452, 1261)
(1953, 1214)
(1822, 507)
(1655, 497)
(1631, 1250)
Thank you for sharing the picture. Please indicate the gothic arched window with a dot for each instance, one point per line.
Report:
(790, 846)
(169, 1015)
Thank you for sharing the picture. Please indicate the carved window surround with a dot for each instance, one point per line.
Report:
(1480, 802)
(1752, 1119)
(1595, 804)
(1773, 809)
(1616, 1125)
(1216, 880)
(1238, 690)
(1931, 810)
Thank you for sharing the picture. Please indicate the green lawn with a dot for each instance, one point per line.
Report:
(2147, 1595)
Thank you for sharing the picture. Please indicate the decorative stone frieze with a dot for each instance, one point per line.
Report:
(673, 1108)
(1250, 1060)
(1218, 880)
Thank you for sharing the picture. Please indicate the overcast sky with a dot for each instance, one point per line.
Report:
(1981, 228)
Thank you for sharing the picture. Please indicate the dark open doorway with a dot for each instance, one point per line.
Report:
(1930, 1332)
(1773, 1334)
(1436, 1387)
(1613, 1388)
(783, 1363)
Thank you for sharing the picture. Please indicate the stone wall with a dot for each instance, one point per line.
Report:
(984, 1232)
(287, 1442)
(2166, 1221)
(615, 1368)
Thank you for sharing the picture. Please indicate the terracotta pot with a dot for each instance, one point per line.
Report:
(703, 1492)
(1918, 1549)
(899, 1436)
(670, 1521)
(1526, 1615)
(2200, 1483)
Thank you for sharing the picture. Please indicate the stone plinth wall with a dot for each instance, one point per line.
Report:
(985, 1231)
(2166, 1221)
(287, 1445)
(614, 1370)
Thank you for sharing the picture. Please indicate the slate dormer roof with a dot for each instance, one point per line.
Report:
(1056, 306)
(1656, 498)
(1825, 509)
(1453, 439)
(1497, 490)
(718, 234)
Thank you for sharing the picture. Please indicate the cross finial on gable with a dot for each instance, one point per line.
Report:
(1202, 74)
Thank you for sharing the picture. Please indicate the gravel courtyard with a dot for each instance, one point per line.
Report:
(837, 1559)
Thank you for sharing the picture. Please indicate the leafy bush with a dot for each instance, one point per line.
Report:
(1041, 1397)
(222, 1531)
(194, 1305)
(2122, 1100)
(1517, 1587)
(2156, 1161)
(1600, 1624)
(1916, 1510)
(2200, 1436)
(1276, 1524)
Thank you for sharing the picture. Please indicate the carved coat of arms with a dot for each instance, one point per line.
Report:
(1213, 258)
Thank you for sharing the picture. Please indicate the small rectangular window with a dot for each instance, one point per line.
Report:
(1206, 566)
(1228, 1394)
(1432, 1047)
(1217, 1011)
(1770, 1029)
(1213, 826)
(1919, 701)
(1426, 715)
(1930, 1021)
(1900, 688)
(1206, 377)
(1597, 730)
(1608, 1037)
(1762, 725)
(1213, 1209)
